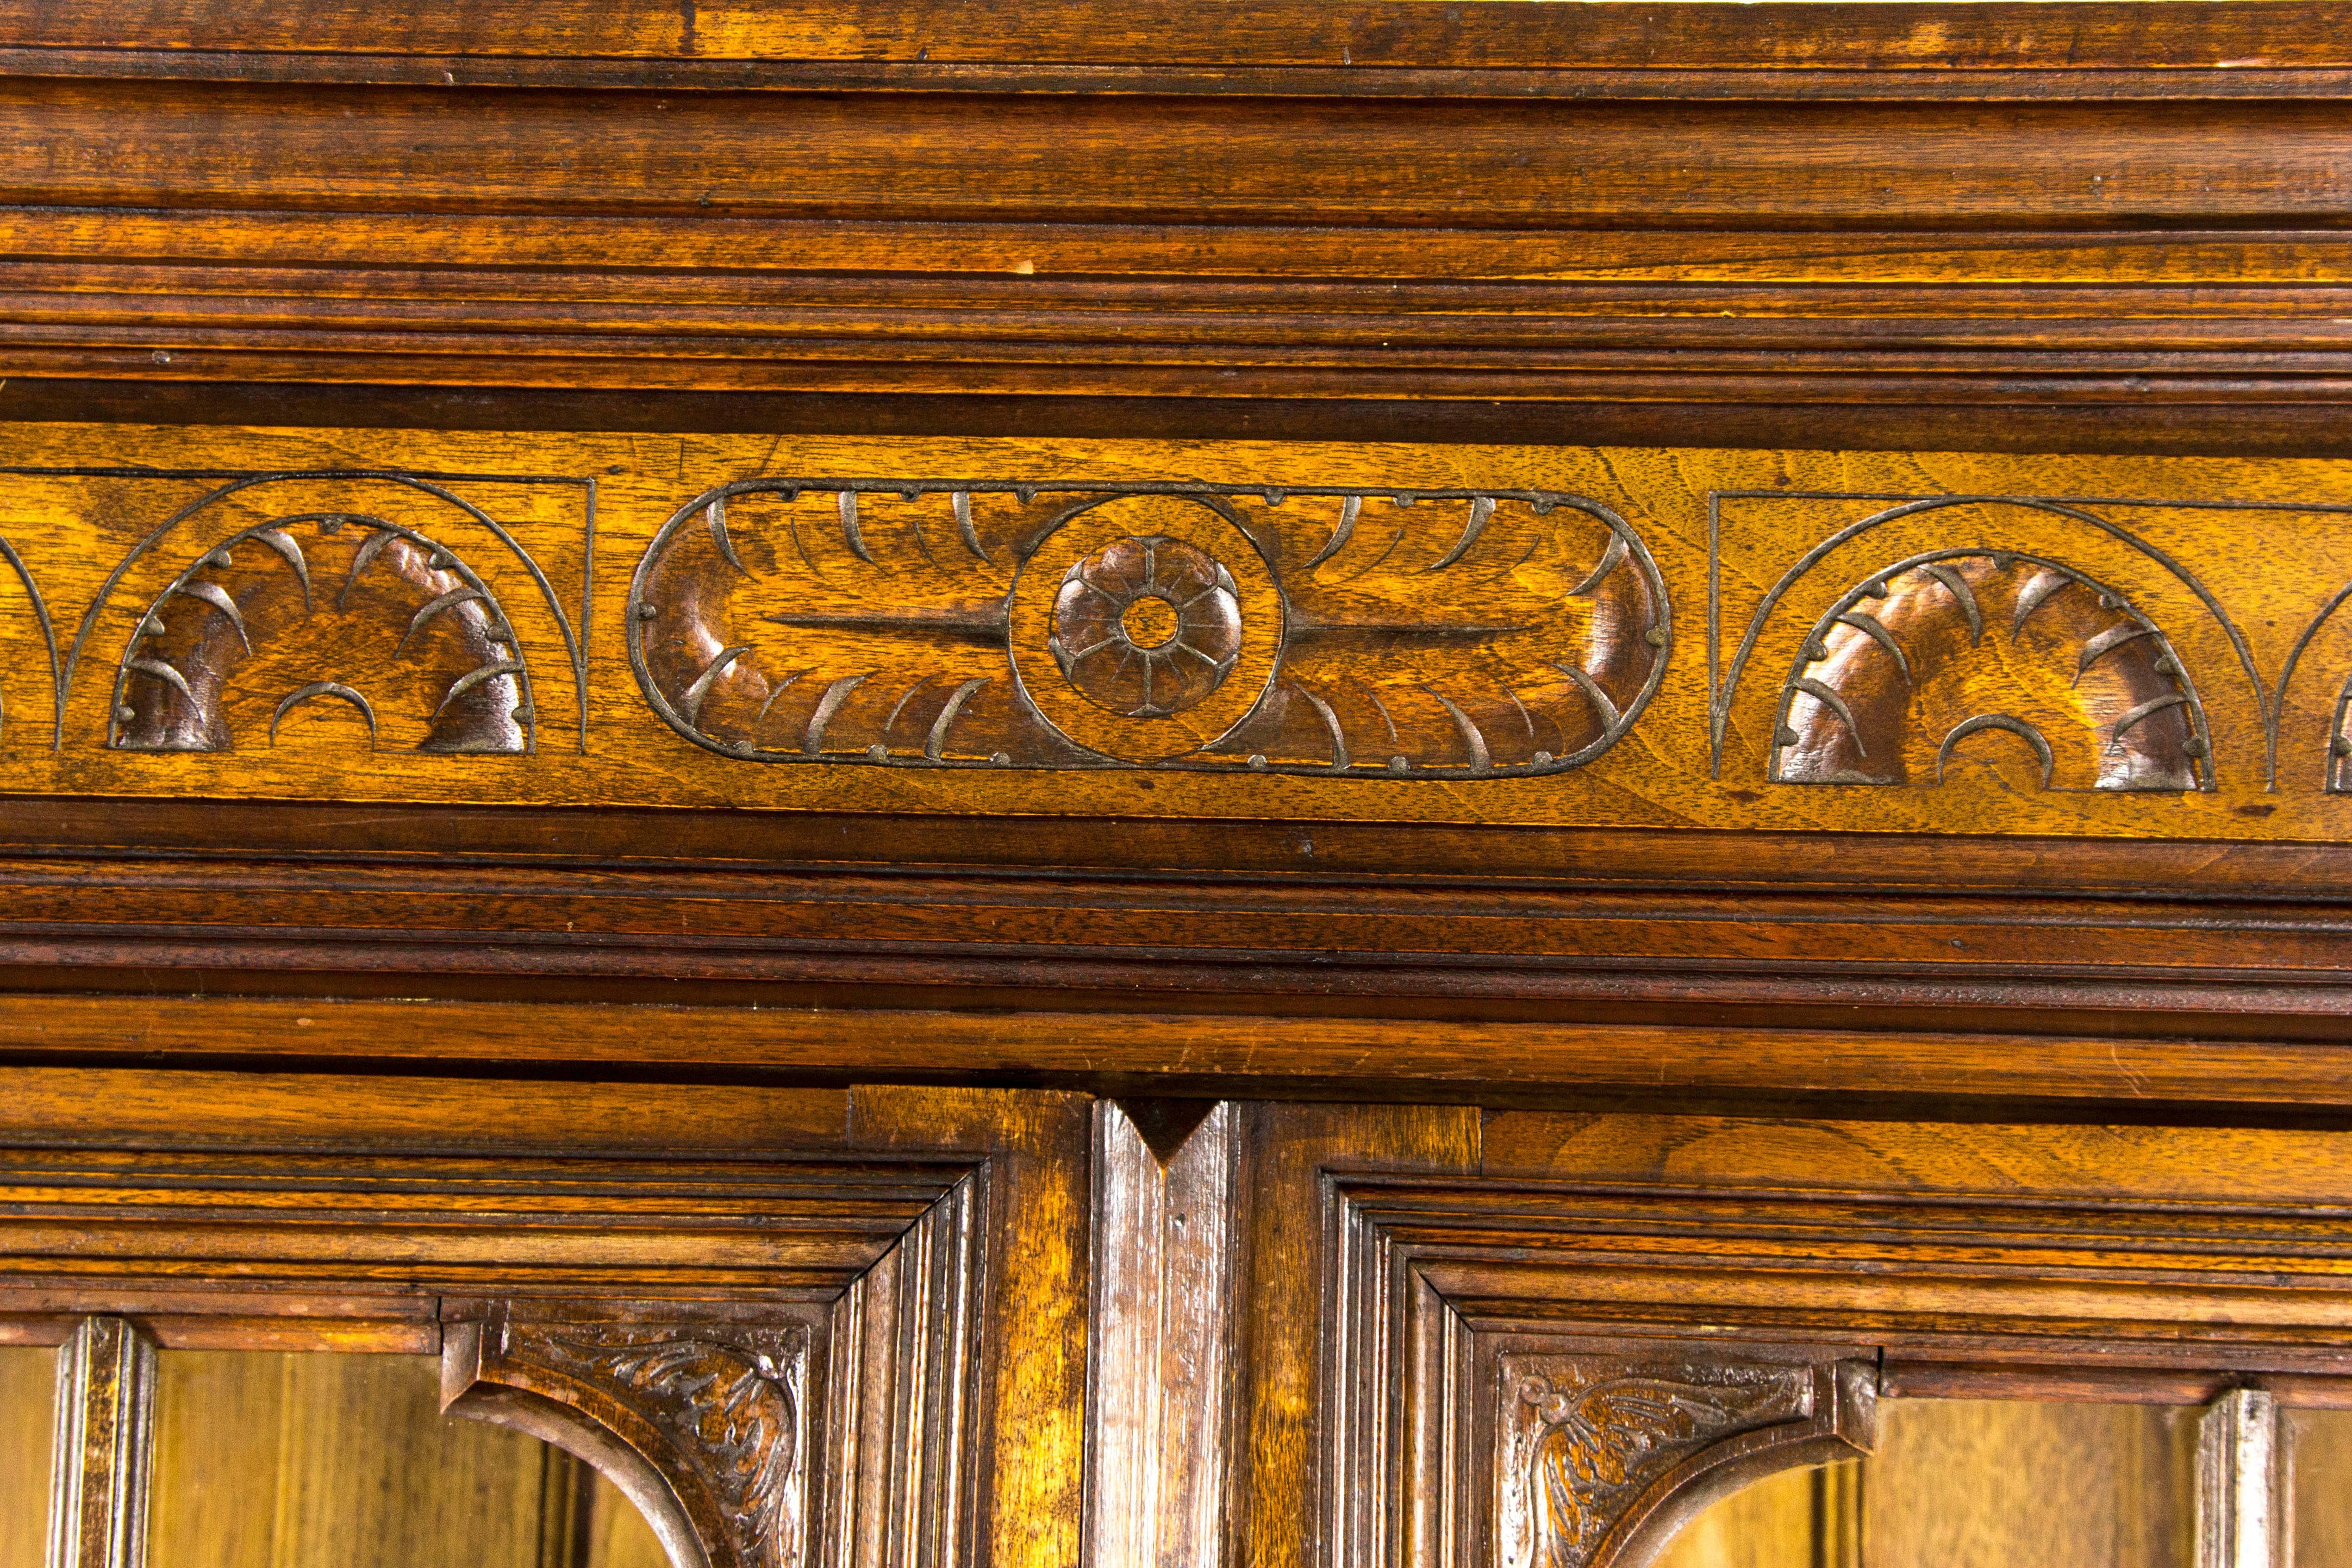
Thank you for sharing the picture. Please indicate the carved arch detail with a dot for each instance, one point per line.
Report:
(325, 607)
(2086, 514)
(703, 1425)
(1603, 1456)
(1917, 659)
(47, 629)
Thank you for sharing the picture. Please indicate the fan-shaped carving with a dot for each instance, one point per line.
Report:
(1906, 670)
(333, 608)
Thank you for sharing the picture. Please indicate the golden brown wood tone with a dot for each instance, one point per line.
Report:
(1842, 205)
(917, 1312)
(29, 1384)
(1465, 635)
(344, 1461)
(677, 681)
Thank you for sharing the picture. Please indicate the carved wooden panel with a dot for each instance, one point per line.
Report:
(782, 1361)
(1397, 635)
(1597, 1452)
(1553, 1365)
(710, 1417)
(2127, 647)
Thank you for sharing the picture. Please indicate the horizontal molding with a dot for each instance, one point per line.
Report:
(2121, 383)
(1389, 34)
(1153, 1051)
(1668, 83)
(931, 158)
(1868, 960)
(2191, 429)
(655, 259)
(1042, 851)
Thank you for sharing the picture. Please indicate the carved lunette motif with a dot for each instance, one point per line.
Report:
(1917, 658)
(1322, 631)
(2168, 746)
(1602, 1456)
(703, 1425)
(354, 603)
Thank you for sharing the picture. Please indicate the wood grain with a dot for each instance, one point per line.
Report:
(2320, 1450)
(1282, 1467)
(29, 1398)
(102, 1462)
(1937, 37)
(345, 1461)
(1032, 1380)
(1977, 1484)
(1499, 1062)
(1771, 1523)
(1757, 547)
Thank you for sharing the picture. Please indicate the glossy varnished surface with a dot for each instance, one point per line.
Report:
(1607, 638)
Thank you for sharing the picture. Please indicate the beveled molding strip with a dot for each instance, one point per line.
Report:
(1377, 34)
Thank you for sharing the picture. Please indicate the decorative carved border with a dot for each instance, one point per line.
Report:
(995, 623)
(776, 1359)
(1544, 1374)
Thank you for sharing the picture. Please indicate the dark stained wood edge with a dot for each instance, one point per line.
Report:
(1387, 34)
(2273, 430)
(1729, 82)
(1150, 1052)
(1042, 851)
(1902, 1378)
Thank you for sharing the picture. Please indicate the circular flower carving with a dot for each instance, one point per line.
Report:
(1147, 628)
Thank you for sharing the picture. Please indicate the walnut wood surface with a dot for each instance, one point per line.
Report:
(936, 1300)
(1988, 205)
(101, 1458)
(1437, 661)
(265, 1459)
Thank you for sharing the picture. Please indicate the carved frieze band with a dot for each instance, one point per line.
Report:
(1941, 646)
(1324, 631)
(1356, 632)
(260, 606)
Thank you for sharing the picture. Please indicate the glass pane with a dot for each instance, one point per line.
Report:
(2319, 1453)
(1978, 1484)
(1798, 1518)
(29, 1403)
(268, 1460)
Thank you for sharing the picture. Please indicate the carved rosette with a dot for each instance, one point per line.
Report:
(1600, 1456)
(1326, 631)
(716, 1410)
(1147, 628)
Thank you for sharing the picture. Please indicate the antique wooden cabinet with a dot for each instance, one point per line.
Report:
(1110, 785)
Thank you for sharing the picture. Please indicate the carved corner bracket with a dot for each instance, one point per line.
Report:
(702, 1425)
(814, 1422)
(1602, 1458)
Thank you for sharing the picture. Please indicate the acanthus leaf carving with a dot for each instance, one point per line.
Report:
(1584, 1445)
(1600, 1456)
(717, 1409)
